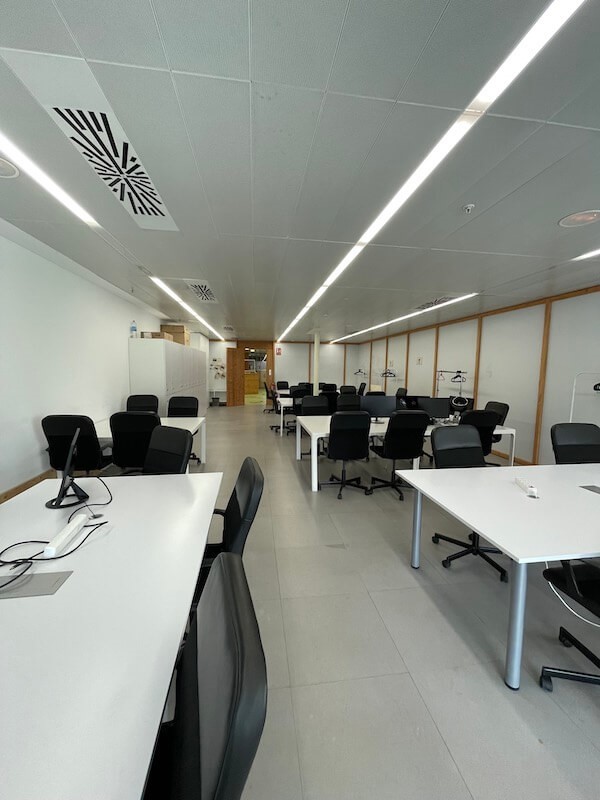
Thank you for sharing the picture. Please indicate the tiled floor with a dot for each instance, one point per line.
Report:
(386, 682)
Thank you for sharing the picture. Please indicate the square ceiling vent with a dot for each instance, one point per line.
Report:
(202, 291)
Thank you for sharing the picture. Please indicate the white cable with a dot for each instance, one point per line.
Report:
(566, 605)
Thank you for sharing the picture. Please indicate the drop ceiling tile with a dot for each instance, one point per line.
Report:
(294, 42)
(348, 127)
(268, 255)
(112, 30)
(468, 45)
(380, 44)
(208, 37)
(584, 109)
(382, 267)
(31, 25)
(283, 125)
(217, 113)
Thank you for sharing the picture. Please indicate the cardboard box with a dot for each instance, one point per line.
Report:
(157, 335)
(180, 333)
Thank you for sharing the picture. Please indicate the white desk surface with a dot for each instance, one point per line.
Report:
(562, 524)
(191, 424)
(85, 672)
(318, 426)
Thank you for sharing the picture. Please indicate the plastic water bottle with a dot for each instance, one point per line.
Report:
(133, 330)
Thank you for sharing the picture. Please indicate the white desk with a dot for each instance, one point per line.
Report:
(85, 672)
(191, 424)
(317, 428)
(562, 524)
(284, 402)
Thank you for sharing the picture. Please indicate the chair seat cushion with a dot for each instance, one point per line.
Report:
(587, 579)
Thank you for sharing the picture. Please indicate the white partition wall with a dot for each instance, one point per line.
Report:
(292, 364)
(217, 368)
(573, 347)
(377, 365)
(396, 361)
(421, 357)
(352, 365)
(331, 363)
(363, 361)
(457, 350)
(509, 369)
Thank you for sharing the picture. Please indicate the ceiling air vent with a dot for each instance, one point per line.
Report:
(228, 328)
(436, 302)
(202, 291)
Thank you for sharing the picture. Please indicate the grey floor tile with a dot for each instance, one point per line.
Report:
(372, 738)
(304, 530)
(314, 571)
(261, 572)
(270, 623)
(382, 568)
(362, 528)
(275, 774)
(335, 638)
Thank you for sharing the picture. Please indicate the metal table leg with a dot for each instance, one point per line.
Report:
(416, 531)
(516, 625)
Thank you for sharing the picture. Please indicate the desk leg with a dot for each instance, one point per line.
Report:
(281, 420)
(416, 531)
(314, 464)
(203, 442)
(512, 450)
(416, 463)
(298, 441)
(516, 625)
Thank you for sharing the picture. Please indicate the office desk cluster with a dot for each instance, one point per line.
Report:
(191, 424)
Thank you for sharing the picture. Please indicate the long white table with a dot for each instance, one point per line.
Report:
(85, 672)
(191, 424)
(317, 427)
(284, 402)
(561, 524)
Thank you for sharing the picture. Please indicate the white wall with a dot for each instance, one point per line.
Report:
(65, 350)
(331, 363)
(377, 365)
(573, 346)
(201, 342)
(292, 364)
(396, 361)
(217, 367)
(457, 348)
(509, 370)
(420, 362)
(363, 360)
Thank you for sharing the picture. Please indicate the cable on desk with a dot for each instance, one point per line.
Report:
(567, 606)
(89, 506)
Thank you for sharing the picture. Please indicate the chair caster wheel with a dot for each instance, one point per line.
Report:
(504, 577)
(446, 563)
(368, 491)
(546, 683)
(565, 642)
(340, 496)
(435, 539)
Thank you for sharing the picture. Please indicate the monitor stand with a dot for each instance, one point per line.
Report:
(57, 502)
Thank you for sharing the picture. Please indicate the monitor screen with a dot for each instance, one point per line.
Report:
(436, 407)
(411, 401)
(378, 405)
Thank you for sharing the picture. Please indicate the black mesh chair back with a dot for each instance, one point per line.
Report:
(457, 446)
(485, 422)
(331, 401)
(576, 443)
(361, 389)
(348, 389)
(315, 406)
(501, 409)
(375, 394)
(321, 386)
(59, 430)
(306, 385)
(330, 387)
(283, 385)
(168, 452)
(401, 391)
(221, 691)
(131, 432)
(183, 407)
(242, 506)
(298, 393)
(142, 402)
(349, 435)
(405, 434)
(348, 402)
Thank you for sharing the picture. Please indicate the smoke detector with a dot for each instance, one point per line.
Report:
(580, 218)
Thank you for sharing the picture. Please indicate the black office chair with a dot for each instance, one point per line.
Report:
(184, 407)
(332, 398)
(348, 441)
(361, 389)
(142, 402)
(306, 385)
(131, 432)
(207, 751)
(321, 386)
(168, 452)
(460, 446)
(401, 391)
(400, 401)
(485, 422)
(269, 396)
(375, 394)
(403, 440)
(501, 410)
(283, 385)
(348, 402)
(576, 443)
(348, 389)
(315, 407)
(297, 393)
(580, 582)
(59, 430)
(329, 387)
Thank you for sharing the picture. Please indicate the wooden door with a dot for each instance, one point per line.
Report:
(235, 376)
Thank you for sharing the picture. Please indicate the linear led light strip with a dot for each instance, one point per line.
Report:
(162, 285)
(406, 316)
(551, 21)
(583, 256)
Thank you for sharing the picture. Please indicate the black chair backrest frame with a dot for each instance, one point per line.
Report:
(485, 422)
(348, 402)
(168, 452)
(576, 443)
(242, 506)
(315, 406)
(59, 430)
(142, 402)
(183, 406)
(131, 432)
(405, 435)
(349, 435)
(457, 446)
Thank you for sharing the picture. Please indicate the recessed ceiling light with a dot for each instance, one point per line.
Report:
(590, 254)
(580, 218)
(8, 169)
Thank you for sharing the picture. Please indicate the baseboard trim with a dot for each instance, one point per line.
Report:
(22, 487)
(522, 462)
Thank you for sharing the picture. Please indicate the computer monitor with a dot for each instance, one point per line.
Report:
(68, 482)
(378, 405)
(411, 401)
(436, 407)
